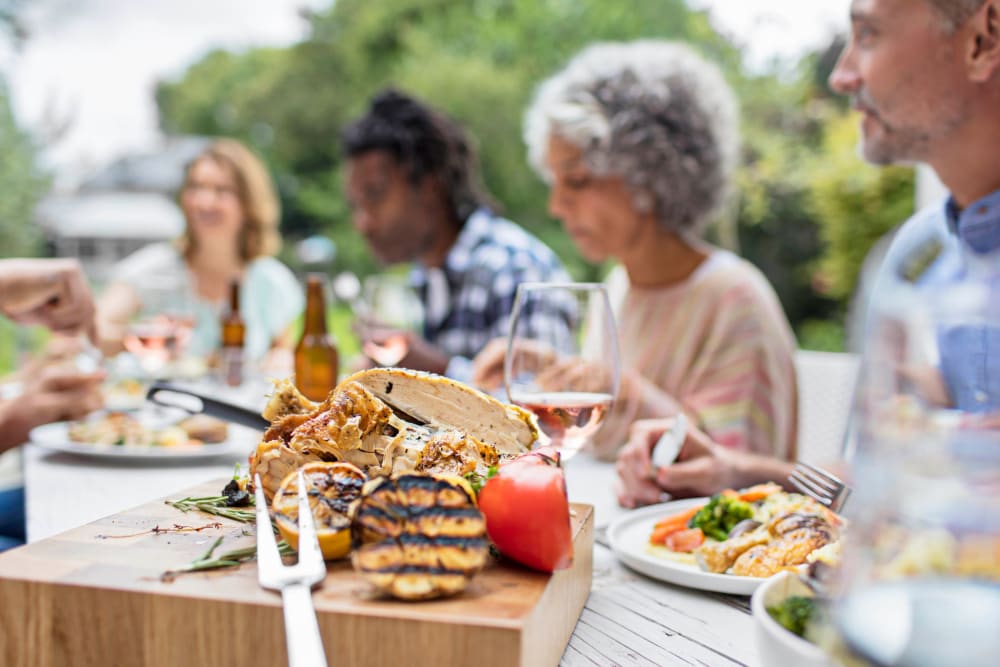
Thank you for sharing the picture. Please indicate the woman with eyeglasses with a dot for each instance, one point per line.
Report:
(231, 234)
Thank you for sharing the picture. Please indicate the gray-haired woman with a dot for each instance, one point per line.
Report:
(638, 142)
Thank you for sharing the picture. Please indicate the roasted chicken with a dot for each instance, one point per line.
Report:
(720, 556)
(786, 540)
(793, 537)
(391, 421)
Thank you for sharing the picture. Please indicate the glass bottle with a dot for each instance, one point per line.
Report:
(233, 335)
(316, 357)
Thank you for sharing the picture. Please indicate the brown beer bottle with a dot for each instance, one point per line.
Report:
(233, 335)
(316, 357)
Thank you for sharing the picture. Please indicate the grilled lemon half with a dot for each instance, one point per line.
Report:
(332, 489)
(419, 536)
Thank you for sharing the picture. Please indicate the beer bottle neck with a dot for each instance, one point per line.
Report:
(234, 298)
(233, 328)
(315, 309)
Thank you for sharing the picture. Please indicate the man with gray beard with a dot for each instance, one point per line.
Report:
(925, 76)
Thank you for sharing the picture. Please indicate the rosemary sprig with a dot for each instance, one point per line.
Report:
(222, 506)
(228, 559)
(214, 505)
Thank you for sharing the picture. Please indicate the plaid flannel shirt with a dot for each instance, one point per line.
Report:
(490, 258)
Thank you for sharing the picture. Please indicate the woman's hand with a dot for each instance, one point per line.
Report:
(116, 306)
(636, 485)
(554, 373)
(703, 467)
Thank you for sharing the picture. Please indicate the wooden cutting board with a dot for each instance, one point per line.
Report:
(86, 598)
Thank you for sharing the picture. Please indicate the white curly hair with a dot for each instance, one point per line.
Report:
(652, 112)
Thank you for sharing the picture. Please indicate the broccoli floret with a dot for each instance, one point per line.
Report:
(794, 613)
(719, 516)
(477, 481)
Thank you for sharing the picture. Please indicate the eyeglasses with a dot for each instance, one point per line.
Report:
(219, 191)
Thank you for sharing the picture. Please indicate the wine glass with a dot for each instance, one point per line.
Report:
(562, 359)
(391, 310)
(160, 331)
(921, 574)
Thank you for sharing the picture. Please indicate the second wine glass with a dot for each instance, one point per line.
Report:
(162, 327)
(562, 359)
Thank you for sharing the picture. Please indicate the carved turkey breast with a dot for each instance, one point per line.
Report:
(390, 421)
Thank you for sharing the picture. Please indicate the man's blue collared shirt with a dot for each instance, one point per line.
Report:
(965, 248)
(970, 352)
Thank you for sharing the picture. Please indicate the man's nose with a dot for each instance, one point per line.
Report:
(845, 78)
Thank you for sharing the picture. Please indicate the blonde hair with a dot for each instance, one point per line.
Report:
(259, 235)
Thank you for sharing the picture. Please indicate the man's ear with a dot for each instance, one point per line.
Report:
(984, 42)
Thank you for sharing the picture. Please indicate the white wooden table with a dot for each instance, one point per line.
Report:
(628, 620)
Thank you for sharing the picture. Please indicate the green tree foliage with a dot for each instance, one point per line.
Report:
(810, 208)
(855, 205)
(21, 183)
(480, 60)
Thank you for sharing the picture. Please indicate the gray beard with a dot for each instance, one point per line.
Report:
(896, 148)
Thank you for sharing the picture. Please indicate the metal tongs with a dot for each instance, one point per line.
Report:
(305, 645)
(172, 396)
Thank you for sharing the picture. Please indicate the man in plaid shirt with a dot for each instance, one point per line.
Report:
(415, 194)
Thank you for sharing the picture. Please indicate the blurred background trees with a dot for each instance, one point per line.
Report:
(807, 211)
(21, 181)
(22, 184)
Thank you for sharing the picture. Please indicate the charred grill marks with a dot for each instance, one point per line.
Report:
(419, 536)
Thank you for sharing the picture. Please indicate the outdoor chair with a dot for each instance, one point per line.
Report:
(826, 388)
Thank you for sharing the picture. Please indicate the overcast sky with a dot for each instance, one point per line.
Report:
(95, 62)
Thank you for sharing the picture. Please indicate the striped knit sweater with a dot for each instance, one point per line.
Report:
(719, 345)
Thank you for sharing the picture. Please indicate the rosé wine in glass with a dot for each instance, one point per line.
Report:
(562, 359)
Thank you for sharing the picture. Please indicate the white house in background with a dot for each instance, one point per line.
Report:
(126, 205)
(100, 228)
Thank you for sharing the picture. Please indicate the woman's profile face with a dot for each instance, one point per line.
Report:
(211, 203)
(597, 211)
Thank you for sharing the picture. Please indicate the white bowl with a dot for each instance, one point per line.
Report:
(776, 646)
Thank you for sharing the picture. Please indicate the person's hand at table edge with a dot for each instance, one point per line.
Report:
(57, 393)
(703, 467)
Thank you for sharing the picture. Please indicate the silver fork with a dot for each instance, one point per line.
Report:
(820, 485)
(305, 645)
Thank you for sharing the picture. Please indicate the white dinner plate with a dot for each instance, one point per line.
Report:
(629, 538)
(55, 437)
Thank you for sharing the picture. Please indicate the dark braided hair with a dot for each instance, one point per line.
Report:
(426, 143)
